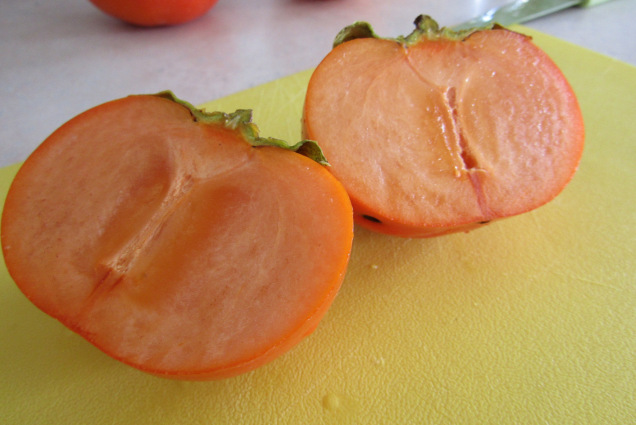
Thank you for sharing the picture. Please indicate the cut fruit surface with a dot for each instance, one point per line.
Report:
(174, 243)
(439, 131)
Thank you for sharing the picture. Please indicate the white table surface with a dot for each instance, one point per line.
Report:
(61, 57)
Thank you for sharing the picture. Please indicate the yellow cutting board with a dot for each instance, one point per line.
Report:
(531, 320)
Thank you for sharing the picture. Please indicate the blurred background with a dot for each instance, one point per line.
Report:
(59, 58)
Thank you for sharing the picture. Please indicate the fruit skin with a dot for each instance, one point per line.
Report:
(122, 256)
(153, 13)
(471, 173)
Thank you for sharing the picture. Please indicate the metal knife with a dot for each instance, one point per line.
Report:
(520, 11)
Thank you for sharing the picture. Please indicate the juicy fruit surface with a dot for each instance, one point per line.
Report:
(441, 135)
(174, 246)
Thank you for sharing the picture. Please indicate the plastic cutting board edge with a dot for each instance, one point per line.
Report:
(530, 320)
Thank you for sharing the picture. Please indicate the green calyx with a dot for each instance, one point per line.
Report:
(241, 121)
(426, 28)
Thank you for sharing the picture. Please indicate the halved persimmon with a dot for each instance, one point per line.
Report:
(443, 131)
(175, 240)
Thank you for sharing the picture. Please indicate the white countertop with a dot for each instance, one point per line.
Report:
(59, 58)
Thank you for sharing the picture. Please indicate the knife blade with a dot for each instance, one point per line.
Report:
(520, 11)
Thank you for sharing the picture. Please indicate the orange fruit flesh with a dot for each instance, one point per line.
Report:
(175, 246)
(443, 135)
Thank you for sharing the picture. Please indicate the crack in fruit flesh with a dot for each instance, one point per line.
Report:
(469, 165)
(468, 161)
(117, 264)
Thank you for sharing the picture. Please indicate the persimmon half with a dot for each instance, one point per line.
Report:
(443, 131)
(175, 240)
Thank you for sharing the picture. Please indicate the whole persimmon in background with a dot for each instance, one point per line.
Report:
(152, 13)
